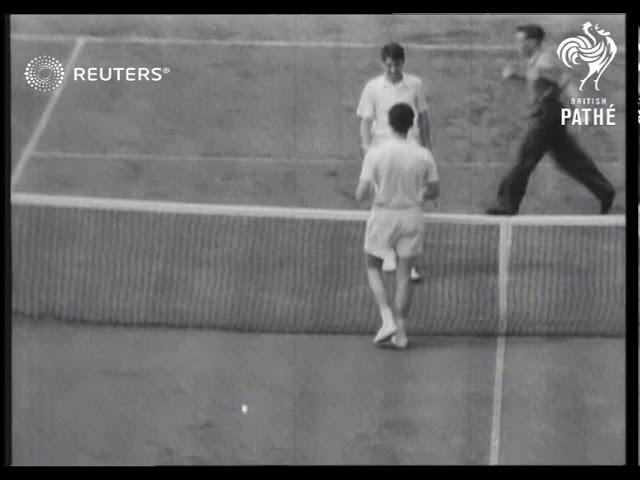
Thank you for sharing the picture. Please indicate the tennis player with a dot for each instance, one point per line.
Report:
(379, 94)
(400, 175)
(546, 81)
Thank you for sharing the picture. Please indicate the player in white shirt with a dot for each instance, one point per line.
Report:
(378, 96)
(400, 175)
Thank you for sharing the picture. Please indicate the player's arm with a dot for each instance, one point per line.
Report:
(425, 129)
(424, 123)
(365, 134)
(431, 182)
(431, 190)
(366, 182)
(510, 72)
(570, 89)
(366, 112)
(565, 82)
(364, 189)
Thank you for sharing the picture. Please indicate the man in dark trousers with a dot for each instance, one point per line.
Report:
(546, 81)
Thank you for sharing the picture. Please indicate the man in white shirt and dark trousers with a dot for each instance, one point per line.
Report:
(378, 96)
(400, 175)
(546, 82)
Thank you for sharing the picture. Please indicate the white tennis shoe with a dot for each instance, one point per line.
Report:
(385, 332)
(400, 340)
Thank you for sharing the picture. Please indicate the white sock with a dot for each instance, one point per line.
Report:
(387, 316)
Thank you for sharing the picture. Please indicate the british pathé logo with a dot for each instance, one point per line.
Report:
(596, 49)
(589, 112)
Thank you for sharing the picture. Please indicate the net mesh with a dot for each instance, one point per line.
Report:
(303, 271)
(567, 279)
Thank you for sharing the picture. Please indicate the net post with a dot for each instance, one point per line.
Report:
(504, 254)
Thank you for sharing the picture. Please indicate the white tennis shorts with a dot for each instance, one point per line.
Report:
(391, 231)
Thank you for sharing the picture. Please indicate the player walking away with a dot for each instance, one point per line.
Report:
(401, 175)
(546, 81)
(379, 95)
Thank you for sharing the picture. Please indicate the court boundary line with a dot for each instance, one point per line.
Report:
(98, 39)
(37, 132)
(192, 208)
(496, 417)
(254, 159)
(226, 158)
(141, 39)
(504, 256)
(187, 158)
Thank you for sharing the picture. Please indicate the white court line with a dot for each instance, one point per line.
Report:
(29, 37)
(215, 158)
(496, 420)
(187, 158)
(255, 43)
(44, 118)
(504, 255)
(261, 43)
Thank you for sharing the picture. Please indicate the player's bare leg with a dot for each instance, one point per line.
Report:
(403, 300)
(374, 274)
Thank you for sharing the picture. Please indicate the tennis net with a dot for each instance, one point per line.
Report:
(289, 270)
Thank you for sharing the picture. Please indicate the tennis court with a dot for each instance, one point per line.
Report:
(188, 278)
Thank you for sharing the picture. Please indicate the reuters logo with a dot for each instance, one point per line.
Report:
(44, 73)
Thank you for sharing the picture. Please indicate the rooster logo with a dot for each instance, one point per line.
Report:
(597, 52)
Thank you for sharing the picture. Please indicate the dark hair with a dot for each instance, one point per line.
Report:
(401, 117)
(533, 31)
(393, 51)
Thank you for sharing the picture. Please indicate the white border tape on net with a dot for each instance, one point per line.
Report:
(187, 208)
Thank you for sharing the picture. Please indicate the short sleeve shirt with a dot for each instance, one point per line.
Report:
(399, 169)
(379, 95)
(546, 77)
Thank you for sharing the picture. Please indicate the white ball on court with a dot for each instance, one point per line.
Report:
(245, 409)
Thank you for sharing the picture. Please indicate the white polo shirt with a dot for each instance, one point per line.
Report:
(545, 76)
(379, 95)
(399, 169)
